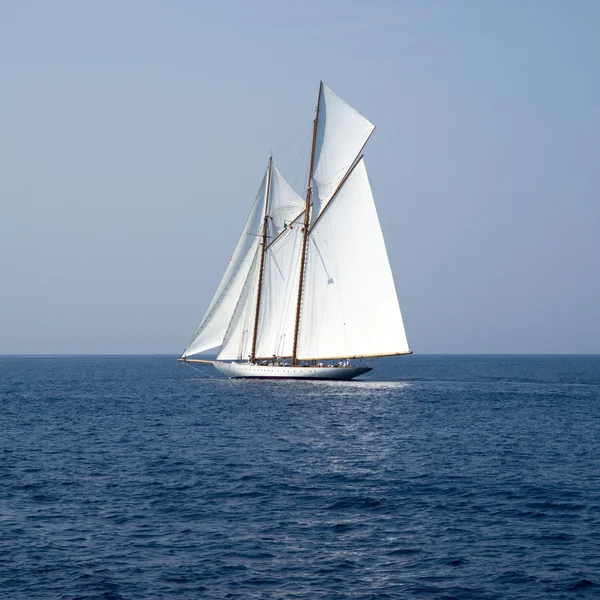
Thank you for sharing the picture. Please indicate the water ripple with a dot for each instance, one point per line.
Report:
(435, 477)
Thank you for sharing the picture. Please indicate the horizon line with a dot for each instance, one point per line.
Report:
(175, 355)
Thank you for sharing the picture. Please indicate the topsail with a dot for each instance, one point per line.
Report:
(341, 135)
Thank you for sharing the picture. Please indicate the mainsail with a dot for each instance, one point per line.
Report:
(310, 279)
(349, 307)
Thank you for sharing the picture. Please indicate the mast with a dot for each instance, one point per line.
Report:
(305, 231)
(262, 262)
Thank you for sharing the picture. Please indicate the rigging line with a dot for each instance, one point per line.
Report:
(220, 300)
(187, 364)
(285, 230)
(303, 135)
(293, 138)
(335, 193)
(299, 162)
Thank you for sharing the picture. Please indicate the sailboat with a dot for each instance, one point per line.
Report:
(309, 289)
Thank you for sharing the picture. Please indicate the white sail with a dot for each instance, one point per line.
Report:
(237, 344)
(284, 204)
(341, 134)
(211, 330)
(349, 306)
(336, 267)
(279, 295)
(275, 333)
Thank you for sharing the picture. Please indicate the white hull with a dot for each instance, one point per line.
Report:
(247, 371)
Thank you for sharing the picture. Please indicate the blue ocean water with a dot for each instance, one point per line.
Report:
(433, 477)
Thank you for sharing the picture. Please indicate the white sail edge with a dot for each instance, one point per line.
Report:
(341, 135)
(237, 342)
(212, 328)
(349, 306)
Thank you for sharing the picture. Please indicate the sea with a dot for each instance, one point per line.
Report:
(432, 477)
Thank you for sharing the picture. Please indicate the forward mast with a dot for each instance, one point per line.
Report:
(261, 269)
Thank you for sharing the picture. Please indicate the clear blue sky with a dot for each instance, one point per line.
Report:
(134, 134)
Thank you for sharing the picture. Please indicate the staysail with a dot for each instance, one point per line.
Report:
(280, 289)
(284, 205)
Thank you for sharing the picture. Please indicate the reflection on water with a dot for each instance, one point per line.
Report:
(312, 388)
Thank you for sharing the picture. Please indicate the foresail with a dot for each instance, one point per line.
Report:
(211, 330)
(237, 343)
(341, 134)
(349, 305)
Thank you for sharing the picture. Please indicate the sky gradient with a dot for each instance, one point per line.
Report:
(135, 134)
